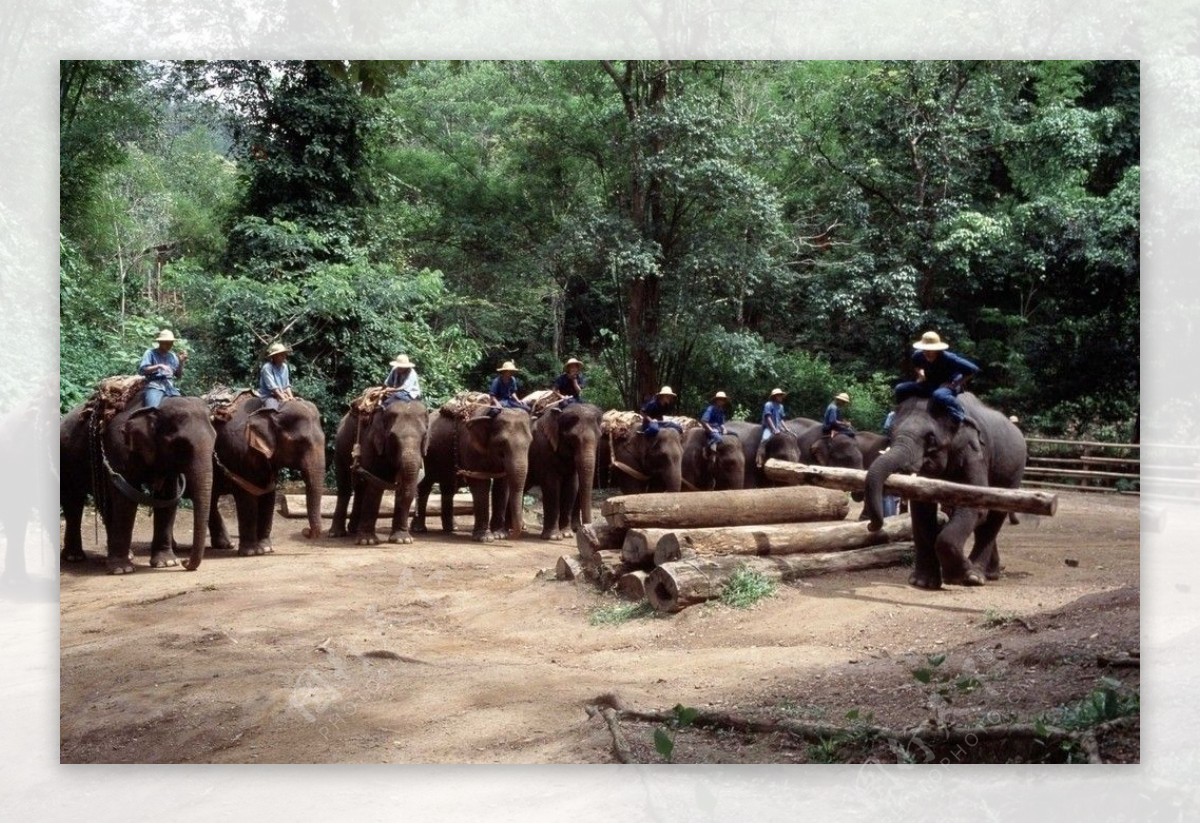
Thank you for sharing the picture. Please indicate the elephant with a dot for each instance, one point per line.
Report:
(782, 446)
(926, 440)
(380, 450)
(253, 444)
(723, 468)
(167, 449)
(638, 462)
(489, 446)
(562, 461)
(27, 442)
(857, 452)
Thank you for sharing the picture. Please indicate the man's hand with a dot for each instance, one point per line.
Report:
(920, 374)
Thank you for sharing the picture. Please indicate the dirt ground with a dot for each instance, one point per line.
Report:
(449, 651)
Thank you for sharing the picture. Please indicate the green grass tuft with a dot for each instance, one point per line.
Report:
(747, 587)
(619, 613)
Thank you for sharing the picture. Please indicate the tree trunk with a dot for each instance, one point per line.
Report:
(735, 507)
(918, 488)
(296, 506)
(638, 547)
(776, 539)
(679, 584)
(592, 538)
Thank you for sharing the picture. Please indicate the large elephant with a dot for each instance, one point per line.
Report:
(253, 444)
(722, 468)
(562, 461)
(926, 440)
(849, 452)
(489, 447)
(380, 450)
(165, 449)
(782, 446)
(636, 462)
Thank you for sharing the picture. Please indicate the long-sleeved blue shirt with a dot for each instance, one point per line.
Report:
(655, 410)
(948, 367)
(503, 390)
(714, 416)
(160, 368)
(773, 413)
(272, 377)
(833, 417)
(564, 384)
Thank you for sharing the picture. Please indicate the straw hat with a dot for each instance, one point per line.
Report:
(165, 335)
(776, 391)
(666, 390)
(720, 396)
(930, 341)
(508, 366)
(842, 396)
(402, 362)
(573, 362)
(277, 348)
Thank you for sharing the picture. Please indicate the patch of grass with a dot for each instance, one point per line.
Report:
(996, 618)
(794, 710)
(825, 751)
(1105, 703)
(664, 737)
(619, 613)
(747, 587)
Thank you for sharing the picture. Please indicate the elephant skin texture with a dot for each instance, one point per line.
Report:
(658, 459)
(782, 446)
(722, 468)
(562, 462)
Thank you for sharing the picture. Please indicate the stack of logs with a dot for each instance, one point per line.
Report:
(679, 549)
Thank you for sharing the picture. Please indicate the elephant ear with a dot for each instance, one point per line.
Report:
(820, 452)
(139, 432)
(376, 428)
(550, 421)
(261, 432)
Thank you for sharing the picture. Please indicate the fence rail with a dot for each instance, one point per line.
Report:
(1087, 466)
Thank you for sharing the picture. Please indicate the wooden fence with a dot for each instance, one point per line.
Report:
(1165, 471)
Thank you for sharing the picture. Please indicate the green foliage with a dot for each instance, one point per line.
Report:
(746, 587)
(664, 737)
(615, 614)
(1106, 702)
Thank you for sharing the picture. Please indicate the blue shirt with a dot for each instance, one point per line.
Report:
(564, 385)
(655, 410)
(151, 364)
(503, 390)
(773, 413)
(272, 377)
(409, 383)
(887, 423)
(946, 368)
(833, 417)
(714, 416)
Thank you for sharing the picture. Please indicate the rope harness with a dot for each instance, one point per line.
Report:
(356, 467)
(133, 493)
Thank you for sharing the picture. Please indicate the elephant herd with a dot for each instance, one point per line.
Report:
(182, 450)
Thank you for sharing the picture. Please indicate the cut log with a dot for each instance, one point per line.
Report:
(639, 545)
(780, 539)
(734, 507)
(605, 568)
(567, 569)
(632, 585)
(591, 538)
(294, 506)
(917, 488)
(679, 584)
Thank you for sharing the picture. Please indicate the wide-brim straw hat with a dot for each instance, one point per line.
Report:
(666, 390)
(842, 396)
(720, 396)
(573, 362)
(277, 349)
(931, 341)
(508, 366)
(402, 362)
(165, 334)
(776, 391)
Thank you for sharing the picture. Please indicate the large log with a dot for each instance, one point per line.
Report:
(591, 538)
(567, 569)
(632, 585)
(734, 507)
(778, 539)
(917, 488)
(605, 568)
(679, 584)
(639, 545)
(294, 506)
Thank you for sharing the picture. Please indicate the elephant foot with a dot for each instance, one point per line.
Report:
(552, 536)
(400, 536)
(501, 534)
(119, 566)
(924, 581)
(248, 549)
(568, 533)
(970, 578)
(366, 539)
(165, 558)
(72, 556)
(992, 576)
(418, 527)
(338, 532)
(483, 536)
(310, 533)
(220, 542)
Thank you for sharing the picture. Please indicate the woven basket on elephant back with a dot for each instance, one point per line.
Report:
(462, 405)
(112, 395)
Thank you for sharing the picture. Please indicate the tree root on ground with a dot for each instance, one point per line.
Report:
(613, 710)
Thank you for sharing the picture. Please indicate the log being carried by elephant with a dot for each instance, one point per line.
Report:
(926, 440)
(380, 445)
(562, 462)
(125, 454)
(254, 442)
(487, 447)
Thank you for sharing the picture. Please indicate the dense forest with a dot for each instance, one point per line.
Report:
(709, 225)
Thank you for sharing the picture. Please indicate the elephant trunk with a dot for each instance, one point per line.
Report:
(672, 476)
(585, 469)
(904, 456)
(199, 476)
(313, 470)
(515, 470)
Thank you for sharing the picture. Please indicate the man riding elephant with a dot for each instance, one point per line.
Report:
(941, 375)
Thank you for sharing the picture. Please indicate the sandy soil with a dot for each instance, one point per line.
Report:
(450, 651)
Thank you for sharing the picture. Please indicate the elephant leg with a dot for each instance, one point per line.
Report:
(123, 513)
(480, 491)
(247, 515)
(162, 546)
(72, 542)
(345, 488)
(551, 490)
(404, 500)
(423, 490)
(568, 503)
(984, 553)
(266, 520)
(499, 525)
(447, 491)
(956, 568)
(218, 535)
(926, 572)
(367, 499)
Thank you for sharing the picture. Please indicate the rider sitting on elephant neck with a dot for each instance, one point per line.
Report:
(403, 378)
(940, 375)
(275, 379)
(571, 382)
(160, 366)
(505, 390)
(833, 423)
(772, 421)
(713, 418)
(654, 409)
